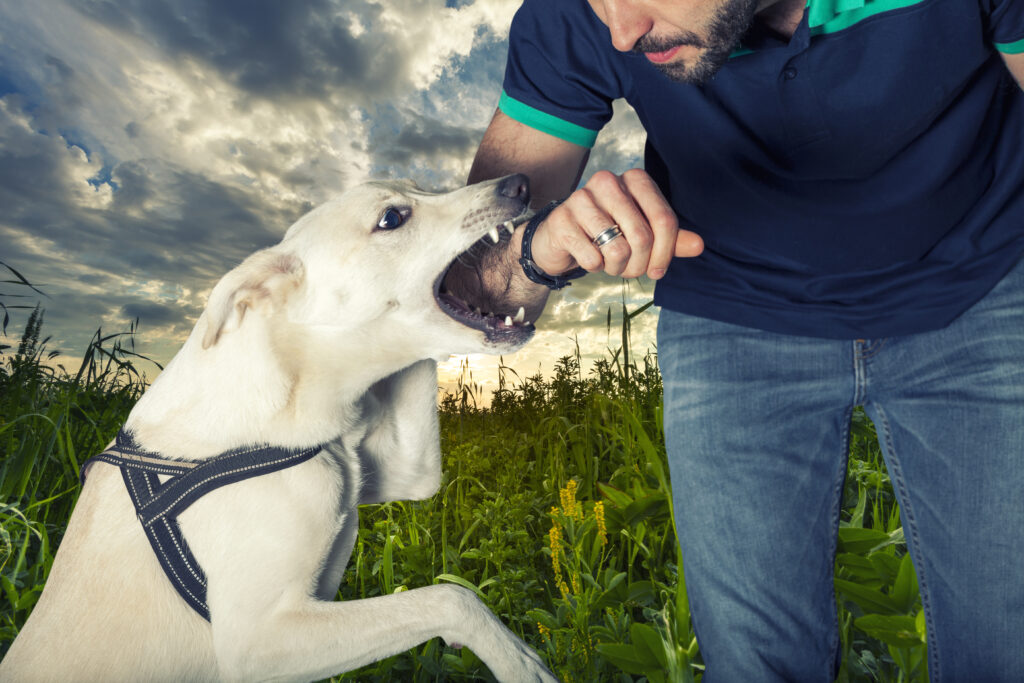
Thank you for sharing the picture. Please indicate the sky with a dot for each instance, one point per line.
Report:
(148, 146)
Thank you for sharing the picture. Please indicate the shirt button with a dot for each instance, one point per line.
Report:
(789, 73)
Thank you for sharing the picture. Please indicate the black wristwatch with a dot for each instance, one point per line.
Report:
(530, 268)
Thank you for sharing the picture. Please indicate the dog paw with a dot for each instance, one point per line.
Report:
(522, 664)
(536, 671)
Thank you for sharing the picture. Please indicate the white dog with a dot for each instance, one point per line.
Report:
(323, 346)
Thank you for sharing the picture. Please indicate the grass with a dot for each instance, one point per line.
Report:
(554, 508)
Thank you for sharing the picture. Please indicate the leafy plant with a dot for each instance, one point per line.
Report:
(555, 508)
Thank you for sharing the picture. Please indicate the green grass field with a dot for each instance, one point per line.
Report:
(554, 508)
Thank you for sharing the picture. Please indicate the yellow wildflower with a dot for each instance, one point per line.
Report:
(567, 496)
(555, 536)
(602, 529)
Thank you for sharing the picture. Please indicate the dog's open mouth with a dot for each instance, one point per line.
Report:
(477, 289)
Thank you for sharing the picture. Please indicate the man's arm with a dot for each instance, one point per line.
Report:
(1015, 63)
(632, 201)
(553, 165)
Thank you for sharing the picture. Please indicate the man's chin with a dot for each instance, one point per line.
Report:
(694, 71)
(731, 22)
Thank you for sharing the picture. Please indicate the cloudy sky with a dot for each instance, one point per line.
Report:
(148, 146)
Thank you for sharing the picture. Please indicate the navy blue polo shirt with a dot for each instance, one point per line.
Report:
(864, 178)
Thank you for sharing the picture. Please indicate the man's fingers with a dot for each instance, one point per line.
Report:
(688, 244)
(561, 244)
(598, 207)
(628, 255)
(580, 246)
(650, 237)
(663, 225)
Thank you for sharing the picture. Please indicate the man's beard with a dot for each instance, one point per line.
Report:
(727, 27)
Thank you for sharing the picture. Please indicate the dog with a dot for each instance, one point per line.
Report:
(323, 345)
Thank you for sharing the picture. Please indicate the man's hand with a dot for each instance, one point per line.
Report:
(650, 230)
(650, 239)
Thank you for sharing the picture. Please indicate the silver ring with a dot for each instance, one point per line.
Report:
(606, 236)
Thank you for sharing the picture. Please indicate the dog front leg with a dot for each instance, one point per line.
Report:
(315, 640)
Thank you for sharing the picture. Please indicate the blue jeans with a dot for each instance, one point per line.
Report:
(757, 427)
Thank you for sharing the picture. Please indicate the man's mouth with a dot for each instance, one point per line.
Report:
(665, 56)
(664, 49)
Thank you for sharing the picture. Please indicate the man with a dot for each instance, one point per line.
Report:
(855, 172)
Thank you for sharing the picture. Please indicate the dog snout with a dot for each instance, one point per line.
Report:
(515, 187)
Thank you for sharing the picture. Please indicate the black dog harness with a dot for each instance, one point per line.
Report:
(158, 504)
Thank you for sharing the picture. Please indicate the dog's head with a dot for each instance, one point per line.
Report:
(408, 268)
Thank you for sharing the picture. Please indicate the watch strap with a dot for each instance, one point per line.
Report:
(530, 268)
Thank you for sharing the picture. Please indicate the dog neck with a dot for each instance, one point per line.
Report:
(254, 387)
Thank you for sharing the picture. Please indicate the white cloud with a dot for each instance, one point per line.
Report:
(144, 150)
(441, 34)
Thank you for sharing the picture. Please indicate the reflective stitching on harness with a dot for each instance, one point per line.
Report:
(180, 584)
(194, 593)
(159, 515)
(186, 557)
(129, 483)
(144, 464)
(196, 572)
(189, 481)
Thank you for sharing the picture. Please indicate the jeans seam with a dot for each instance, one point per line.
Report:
(837, 504)
(907, 507)
(859, 376)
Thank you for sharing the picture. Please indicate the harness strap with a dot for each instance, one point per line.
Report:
(158, 504)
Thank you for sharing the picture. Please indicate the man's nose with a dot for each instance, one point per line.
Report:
(628, 21)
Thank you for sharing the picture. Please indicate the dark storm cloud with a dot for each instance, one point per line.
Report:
(163, 223)
(74, 318)
(99, 280)
(423, 139)
(152, 313)
(268, 48)
(149, 148)
(174, 208)
(167, 221)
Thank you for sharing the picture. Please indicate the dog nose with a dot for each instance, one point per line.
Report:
(515, 187)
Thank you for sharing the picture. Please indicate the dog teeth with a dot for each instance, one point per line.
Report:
(510, 226)
(493, 234)
(521, 315)
(508, 320)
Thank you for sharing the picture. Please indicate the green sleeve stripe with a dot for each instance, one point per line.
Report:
(1011, 48)
(546, 123)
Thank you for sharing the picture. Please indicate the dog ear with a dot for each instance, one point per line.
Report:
(266, 277)
(400, 454)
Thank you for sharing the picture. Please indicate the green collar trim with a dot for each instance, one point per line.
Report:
(821, 12)
(830, 16)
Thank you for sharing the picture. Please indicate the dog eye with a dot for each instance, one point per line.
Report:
(392, 218)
